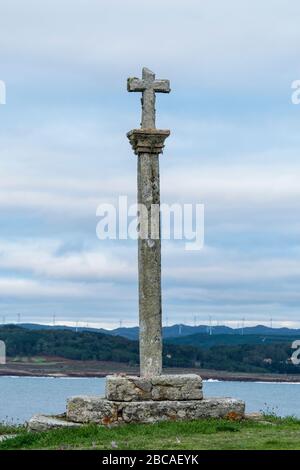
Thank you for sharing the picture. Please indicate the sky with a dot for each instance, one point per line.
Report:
(234, 147)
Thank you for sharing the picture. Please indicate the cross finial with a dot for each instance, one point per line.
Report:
(148, 86)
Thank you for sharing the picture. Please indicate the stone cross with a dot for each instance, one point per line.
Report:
(148, 143)
(148, 86)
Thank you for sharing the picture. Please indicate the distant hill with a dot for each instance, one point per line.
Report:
(38, 326)
(62, 342)
(85, 345)
(208, 341)
(230, 352)
(175, 331)
(130, 333)
(266, 330)
(181, 330)
(172, 331)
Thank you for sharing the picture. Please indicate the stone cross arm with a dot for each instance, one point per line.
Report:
(148, 85)
(138, 84)
(148, 82)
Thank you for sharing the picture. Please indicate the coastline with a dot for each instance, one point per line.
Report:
(62, 368)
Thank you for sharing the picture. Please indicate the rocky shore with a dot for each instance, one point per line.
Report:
(59, 367)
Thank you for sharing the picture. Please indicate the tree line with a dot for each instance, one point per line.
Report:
(272, 358)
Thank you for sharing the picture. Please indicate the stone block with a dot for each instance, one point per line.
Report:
(177, 387)
(102, 411)
(127, 388)
(154, 412)
(254, 416)
(89, 409)
(162, 387)
(41, 423)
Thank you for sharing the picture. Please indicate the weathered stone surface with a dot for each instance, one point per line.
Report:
(163, 387)
(177, 387)
(149, 262)
(150, 141)
(153, 412)
(102, 411)
(129, 388)
(46, 423)
(148, 85)
(254, 416)
(87, 409)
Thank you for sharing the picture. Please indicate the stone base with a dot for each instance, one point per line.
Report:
(86, 409)
(163, 387)
(41, 423)
(131, 399)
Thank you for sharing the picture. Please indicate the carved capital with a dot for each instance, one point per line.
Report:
(148, 140)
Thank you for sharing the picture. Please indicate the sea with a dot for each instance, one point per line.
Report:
(22, 397)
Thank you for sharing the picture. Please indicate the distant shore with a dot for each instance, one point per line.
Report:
(60, 367)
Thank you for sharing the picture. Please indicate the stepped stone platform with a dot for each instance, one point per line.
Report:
(99, 410)
(130, 399)
(102, 411)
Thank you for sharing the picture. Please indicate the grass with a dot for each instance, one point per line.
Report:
(11, 429)
(275, 433)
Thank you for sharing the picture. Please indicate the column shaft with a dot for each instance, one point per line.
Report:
(149, 261)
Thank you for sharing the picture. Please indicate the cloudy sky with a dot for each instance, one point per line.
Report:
(234, 147)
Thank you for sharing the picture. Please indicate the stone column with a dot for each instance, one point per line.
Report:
(147, 145)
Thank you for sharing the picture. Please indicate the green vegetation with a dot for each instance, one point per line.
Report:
(252, 353)
(68, 344)
(253, 358)
(10, 429)
(273, 433)
(209, 341)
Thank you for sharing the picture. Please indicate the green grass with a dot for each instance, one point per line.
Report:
(11, 429)
(207, 434)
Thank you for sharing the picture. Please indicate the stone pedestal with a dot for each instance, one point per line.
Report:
(101, 411)
(131, 399)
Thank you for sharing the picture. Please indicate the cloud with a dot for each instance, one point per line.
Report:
(46, 260)
(236, 272)
(214, 281)
(30, 289)
(210, 41)
(234, 147)
(231, 193)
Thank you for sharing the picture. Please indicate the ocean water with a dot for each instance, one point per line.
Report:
(22, 397)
